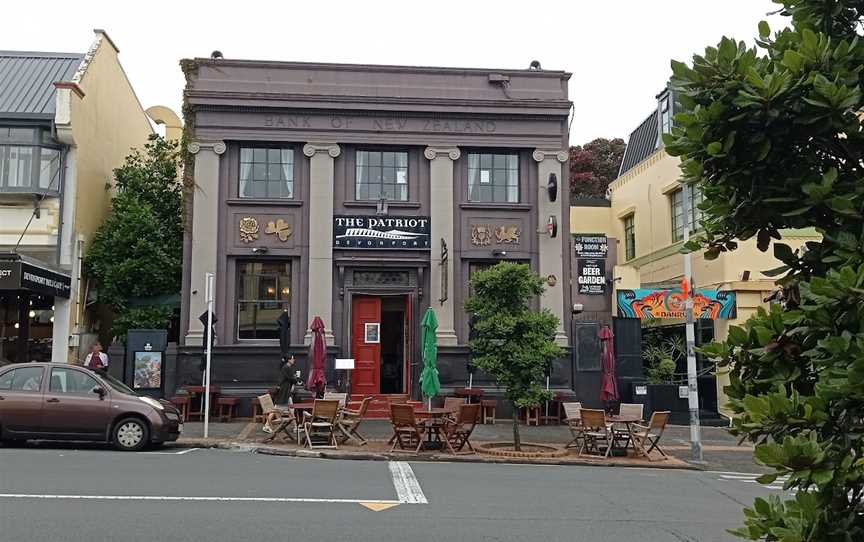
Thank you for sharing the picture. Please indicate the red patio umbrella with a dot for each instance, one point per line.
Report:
(608, 383)
(316, 382)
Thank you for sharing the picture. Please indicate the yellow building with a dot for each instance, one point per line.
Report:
(646, 220)
(66, 121)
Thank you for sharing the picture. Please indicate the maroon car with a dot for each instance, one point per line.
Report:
(56, 401)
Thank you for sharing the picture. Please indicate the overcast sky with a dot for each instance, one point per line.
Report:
(618, 51)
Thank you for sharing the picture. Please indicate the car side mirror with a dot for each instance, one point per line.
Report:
(100, 391)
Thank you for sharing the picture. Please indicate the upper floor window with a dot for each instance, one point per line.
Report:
(677, 198)
(629, 237)
(493, 178)
(665, 115)
(266, 173)
(29, 161)
(381, 174)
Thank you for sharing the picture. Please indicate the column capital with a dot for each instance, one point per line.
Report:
(217, 147)
(541, 154)
(432, 153)
(312, 148)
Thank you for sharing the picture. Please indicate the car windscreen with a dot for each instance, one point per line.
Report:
(117, 385)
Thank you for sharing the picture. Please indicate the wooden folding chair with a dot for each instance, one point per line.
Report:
(333, 396)
(596, 430)
(457, 433)
(628, 410)
(349, 421)
(285, 422)
(573, 417)
(452, 405)
(647, 438)
(321, 423)
(405, 428)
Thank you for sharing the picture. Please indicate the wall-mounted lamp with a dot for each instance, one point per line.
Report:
(382, 205)
(499, 253)
(260, 250)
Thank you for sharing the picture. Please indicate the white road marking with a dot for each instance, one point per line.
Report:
(407, 486)
(182, 452)
(750, 478)
(178, 498)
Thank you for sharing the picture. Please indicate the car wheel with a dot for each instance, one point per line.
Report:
(131, 435)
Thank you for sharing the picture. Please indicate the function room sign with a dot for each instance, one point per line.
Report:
(381, 232)
(591, 277)
(590, 245)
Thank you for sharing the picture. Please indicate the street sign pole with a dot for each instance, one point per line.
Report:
(692, 381)
(209, 348)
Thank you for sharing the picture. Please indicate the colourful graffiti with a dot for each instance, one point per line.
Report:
(656, 304)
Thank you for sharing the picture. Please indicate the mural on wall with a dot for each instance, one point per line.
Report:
(655, 304)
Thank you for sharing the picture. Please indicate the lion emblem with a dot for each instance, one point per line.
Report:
(248, 229)
(507, 234)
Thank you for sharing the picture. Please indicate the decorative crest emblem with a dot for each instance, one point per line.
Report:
(481, 235)
(280, 228)
(248, 229)
(507, 234)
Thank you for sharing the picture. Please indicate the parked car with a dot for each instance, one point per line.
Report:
(56, 401)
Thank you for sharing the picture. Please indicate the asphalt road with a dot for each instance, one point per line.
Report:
(63, 494)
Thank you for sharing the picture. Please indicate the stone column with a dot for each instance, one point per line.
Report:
(321, 156)
(441, 214)
(205, 222)
(552, 250)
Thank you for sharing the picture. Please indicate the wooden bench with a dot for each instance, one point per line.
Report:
(182, 404)
(227, 406)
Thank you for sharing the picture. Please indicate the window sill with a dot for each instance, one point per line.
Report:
(374, 204)
(25, 193)
(502, 206)
(275, 202)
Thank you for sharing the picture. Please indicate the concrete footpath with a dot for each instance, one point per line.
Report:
(720, 449)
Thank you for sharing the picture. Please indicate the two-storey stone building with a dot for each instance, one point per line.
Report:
(363, 195)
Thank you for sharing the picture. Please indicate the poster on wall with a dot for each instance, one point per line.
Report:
(649, 304)
(591, 277)
(381, 232)
(590, 245)
(148, 370)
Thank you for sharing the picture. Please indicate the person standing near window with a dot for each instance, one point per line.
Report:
(96, 359)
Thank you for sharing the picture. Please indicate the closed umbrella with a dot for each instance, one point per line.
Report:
(429, 383)
(316, 382)
(609, 384)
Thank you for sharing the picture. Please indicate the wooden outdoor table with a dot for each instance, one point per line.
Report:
(628, 422)
(469, 393)
(433, 425)
(196, 391)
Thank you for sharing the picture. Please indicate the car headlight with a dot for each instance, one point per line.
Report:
(153, 402)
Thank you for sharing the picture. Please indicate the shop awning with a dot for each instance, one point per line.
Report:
(17, 275)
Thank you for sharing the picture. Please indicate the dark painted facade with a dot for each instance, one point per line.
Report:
(471, 151)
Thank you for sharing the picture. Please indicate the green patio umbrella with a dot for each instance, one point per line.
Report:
(429, 383)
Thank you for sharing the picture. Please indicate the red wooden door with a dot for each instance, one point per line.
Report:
(366, 377)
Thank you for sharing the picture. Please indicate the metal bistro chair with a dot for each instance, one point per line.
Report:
(596, 431)
(349, 421)
(573, 417)
(406, 430)
(321, 424)
(285, 422)
(647, 438)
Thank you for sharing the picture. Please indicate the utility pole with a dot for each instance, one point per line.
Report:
(692, 381)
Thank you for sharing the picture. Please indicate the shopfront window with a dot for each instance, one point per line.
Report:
(493, 178)
(37, 326)
(28, 162)
(266, 173)
(382, 174)
(263, 295)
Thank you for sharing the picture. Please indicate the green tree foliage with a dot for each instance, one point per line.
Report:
(138, 250)
(773, 137)
(593, 166)
(513, 343)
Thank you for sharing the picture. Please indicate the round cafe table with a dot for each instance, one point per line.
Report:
(626, 421)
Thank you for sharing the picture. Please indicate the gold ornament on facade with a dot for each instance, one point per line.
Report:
(481, 235)
(280, 228)
(248, 229)
(507, 234)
